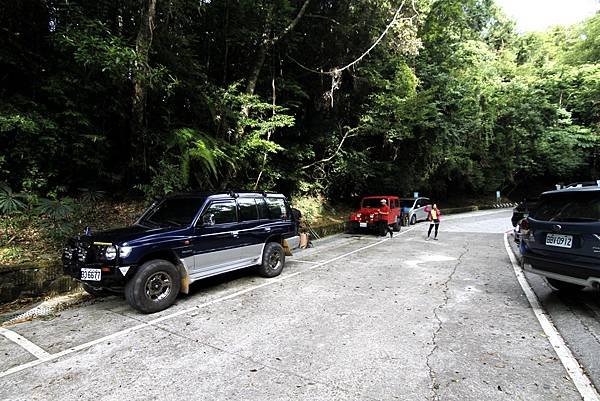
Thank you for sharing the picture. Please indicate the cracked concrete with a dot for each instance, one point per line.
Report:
(434, 384)
(368, 326)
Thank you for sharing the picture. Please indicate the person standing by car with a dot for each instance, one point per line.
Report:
(433, 215)
(384, 211)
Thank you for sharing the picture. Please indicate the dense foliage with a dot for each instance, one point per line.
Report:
(159, 96)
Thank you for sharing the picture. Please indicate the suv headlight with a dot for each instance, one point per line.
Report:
(124, 251)
(111, 252)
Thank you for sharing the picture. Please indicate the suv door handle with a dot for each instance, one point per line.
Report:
(235, 234)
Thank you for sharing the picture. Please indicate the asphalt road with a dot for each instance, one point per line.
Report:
(355, 318)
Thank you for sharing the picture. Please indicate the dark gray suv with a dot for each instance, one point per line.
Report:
(563, 243)
(181, 239)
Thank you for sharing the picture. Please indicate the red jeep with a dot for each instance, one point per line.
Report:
(368, 215)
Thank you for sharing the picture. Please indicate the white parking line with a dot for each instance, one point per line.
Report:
(25, 343)
(582, 382)
(152, 323)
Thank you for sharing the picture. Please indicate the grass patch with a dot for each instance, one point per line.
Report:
(318, 212)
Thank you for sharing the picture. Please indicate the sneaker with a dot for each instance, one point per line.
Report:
(391, 234)
(435, 239)
(426, 238)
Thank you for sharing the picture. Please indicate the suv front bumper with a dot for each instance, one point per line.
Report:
(110, 276)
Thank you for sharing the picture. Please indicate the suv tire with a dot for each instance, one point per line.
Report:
(563, 286)
(154, 286)
(413, 220)
(272, 261)
(396, 226)
(97, 292)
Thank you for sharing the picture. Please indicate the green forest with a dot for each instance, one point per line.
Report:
(336, 98)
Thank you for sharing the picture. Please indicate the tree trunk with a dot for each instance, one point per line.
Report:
(266, 44)
(140, 86)
(258, 64)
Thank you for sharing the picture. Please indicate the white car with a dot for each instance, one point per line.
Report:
(414, 209)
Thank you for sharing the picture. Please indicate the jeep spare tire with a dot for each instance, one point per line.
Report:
(154, 286)
(272, 261)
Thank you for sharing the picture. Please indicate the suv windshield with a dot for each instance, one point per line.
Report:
(372, 202)
(173, 211)
(570, 206)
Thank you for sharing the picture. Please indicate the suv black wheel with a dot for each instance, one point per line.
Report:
(563, 286)
(97, 292)
(396, 226)
(154, 286)
(272, 261)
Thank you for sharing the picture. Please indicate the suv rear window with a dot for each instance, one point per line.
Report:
(569, 206)
(248, 210)
(277, 208)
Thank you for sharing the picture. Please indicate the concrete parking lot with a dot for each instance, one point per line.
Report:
(358, 317)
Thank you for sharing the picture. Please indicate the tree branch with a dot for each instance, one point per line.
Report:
(292, 24)
(339, 147)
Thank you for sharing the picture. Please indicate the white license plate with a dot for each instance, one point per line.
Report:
(363, 225)
(91, 274)
(563, 241)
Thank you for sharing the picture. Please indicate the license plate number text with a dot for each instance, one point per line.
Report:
(562, 241)
(91, 274)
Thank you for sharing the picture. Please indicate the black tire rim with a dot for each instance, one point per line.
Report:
(274, 260)
(158, 286)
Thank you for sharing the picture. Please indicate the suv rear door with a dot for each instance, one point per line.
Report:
(253, 228)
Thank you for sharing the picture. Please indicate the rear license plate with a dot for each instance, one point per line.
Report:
(363, 225)
(91, 274)
(563, 241)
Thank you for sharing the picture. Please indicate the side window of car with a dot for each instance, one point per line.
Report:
(248, 210)
(220, 213)
(277, 208)
(263, 210)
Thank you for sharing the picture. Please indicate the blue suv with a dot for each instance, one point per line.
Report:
(181, 239)
(563, 243)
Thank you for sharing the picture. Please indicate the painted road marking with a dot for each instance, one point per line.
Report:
(428, 259)
(576, 373)
(30, 347)
(302, 261)
(152, 323)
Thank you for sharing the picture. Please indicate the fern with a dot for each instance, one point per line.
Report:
(10, 202)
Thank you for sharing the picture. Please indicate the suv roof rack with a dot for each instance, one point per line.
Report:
(581, 184)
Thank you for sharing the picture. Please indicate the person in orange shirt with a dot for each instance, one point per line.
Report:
(384, 227)
(433, 215)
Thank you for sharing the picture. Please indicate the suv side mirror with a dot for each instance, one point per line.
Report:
(208, 219)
